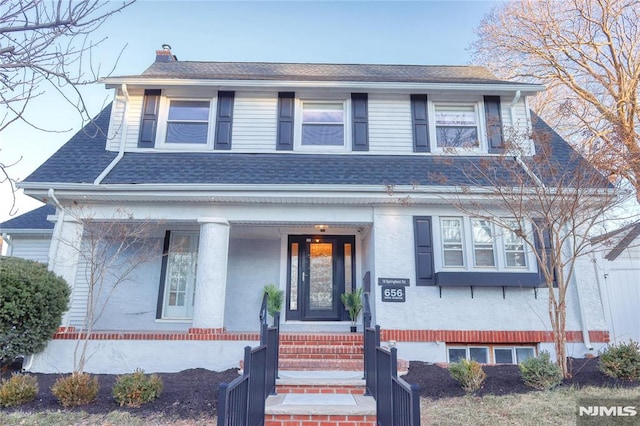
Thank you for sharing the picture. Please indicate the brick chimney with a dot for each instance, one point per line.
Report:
(165, 55)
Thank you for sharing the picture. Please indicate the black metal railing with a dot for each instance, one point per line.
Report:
(242, 402)
(397, 402)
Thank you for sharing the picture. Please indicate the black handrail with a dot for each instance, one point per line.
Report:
(242, 402)
(397, 402)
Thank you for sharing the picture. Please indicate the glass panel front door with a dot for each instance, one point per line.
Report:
(320, 270)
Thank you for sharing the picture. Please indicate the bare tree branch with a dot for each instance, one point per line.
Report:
(587, 52)
(46, 45)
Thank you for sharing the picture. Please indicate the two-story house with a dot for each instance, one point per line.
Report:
(298, 175)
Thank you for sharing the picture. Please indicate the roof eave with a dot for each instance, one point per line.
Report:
(498, 87)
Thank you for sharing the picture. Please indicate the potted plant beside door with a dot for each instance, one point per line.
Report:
(352, 301)
(275, 297)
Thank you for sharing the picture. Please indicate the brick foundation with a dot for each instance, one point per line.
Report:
(449, 336)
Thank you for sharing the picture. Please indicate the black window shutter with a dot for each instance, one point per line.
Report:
(424, 250)
(224, 120)
(163, 274)
(494, 124)
(547, 245)
(420, 121)
(149, 122)
(360, 121)
(284, 138)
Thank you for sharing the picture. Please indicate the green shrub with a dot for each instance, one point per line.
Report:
(76, 389)
(469, 374)
(20, 388)
(136, 389)
(32, 301)
(540, 372)
(621, 361)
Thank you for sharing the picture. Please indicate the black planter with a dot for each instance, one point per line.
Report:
(354, 328)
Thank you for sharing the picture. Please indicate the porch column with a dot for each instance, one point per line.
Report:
(211, 277)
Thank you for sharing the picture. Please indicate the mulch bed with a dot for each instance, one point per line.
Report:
(193, 394)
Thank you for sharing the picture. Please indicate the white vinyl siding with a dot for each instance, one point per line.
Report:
(390, 130)
(30, 248)
(134, 114)
(79, 294)
(254, 122)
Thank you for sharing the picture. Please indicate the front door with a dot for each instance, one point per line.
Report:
(321, 268)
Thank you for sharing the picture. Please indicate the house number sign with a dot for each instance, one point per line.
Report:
(393, 293)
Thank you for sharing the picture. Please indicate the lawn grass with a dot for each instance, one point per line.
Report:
(556, 407)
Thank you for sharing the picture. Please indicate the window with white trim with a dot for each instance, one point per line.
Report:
(483, 240)
(480, 240)
(452, 241)
(457, 125)
(180, 275)
(491, 354)
(515, 255)
(322, 125)
(188, 122)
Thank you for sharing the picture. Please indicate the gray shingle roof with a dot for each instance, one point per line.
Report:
(321, 72)
(82, 158)
(35, 219)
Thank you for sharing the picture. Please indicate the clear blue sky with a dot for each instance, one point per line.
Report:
(391, 32)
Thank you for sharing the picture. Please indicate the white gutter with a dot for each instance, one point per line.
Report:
(123, 139)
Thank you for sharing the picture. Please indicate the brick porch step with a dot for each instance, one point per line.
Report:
(321, 351)
(321, 364)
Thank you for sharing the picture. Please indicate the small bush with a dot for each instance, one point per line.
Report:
(469, 374)
(32, 301)
(136, 389)
(540, 372)
(20, 388)
(76, 389)
(621, 361)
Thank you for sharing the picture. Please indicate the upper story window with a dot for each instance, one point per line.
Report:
(188, 122)
(457, 125)
(186, 118)
(452, 243)
(323, 124)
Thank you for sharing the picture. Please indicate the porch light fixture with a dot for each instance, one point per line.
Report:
(321, 228)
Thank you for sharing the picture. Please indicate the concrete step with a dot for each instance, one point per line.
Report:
(306, 409)
(321, 382)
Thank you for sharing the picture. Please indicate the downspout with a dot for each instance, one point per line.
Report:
(123, 139)
(583, 319)
(512, 107)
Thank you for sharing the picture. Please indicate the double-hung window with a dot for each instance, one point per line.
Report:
(323, 124)
(188, 122)
(452, 241)
(457, 125)
(515, 256)
(180, 275)
(483, 241)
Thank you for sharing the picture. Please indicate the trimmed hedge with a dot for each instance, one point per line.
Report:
(32, 301)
